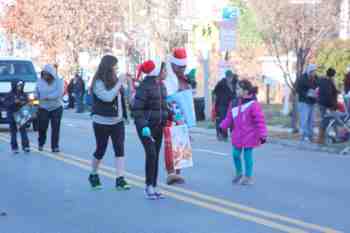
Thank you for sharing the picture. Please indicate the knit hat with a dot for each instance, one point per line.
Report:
(179, 57)
(229, 73)
(310, 68)
(149, 67)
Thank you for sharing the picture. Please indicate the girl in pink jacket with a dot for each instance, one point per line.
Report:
(246, 119)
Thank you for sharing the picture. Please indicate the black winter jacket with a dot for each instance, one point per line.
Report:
(150, 107)
(224, 95)
(10, 101)
(327, 93)
(304, 84)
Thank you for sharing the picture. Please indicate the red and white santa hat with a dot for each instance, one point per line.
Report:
(149, 67)
(179, 57)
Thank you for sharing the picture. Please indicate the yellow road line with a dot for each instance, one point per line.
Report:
(202, 204)
(226, 203)
(108, 171)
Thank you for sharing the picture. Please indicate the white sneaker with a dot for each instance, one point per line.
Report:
(150, 194)
(158, 193)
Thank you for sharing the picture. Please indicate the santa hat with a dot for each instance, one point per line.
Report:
(150, 68)
(179, 57)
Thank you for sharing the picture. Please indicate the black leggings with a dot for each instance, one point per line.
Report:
(102, 134)
(152, 149)
(44, 118)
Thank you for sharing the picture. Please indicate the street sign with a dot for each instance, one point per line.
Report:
(228, 31)
(228, 28)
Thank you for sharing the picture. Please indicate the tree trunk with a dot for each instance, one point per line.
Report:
(294, 113)
(76, 64)
(301, 61)
(268, 89)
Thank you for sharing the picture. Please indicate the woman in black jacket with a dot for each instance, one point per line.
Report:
(150, 112)
(328, 95)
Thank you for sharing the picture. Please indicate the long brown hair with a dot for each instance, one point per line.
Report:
(105, 72)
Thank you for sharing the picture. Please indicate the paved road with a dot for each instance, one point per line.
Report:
(295, 191)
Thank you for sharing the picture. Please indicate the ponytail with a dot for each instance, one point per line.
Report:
(248, 86)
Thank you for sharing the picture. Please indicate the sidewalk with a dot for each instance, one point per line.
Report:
(277, 135)
(283, 136)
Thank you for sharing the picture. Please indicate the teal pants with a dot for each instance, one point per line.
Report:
(248, 161)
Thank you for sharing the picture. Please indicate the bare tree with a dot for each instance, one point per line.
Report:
(298, 28)
(64, 27)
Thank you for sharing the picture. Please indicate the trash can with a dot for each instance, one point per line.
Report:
(199, 107)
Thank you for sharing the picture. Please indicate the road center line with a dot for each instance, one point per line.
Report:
(210, 202)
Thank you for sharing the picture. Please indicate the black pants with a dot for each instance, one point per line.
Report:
(102, 134)
(152, 150)
(70, 100)
(44, 118)
(220, 116)
(24, 136)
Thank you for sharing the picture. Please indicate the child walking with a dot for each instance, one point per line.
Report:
(15, 100)
(246, 119)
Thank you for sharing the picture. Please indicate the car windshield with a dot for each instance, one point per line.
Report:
(22, 70)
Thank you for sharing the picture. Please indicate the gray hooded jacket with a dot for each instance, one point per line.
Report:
(50, 96)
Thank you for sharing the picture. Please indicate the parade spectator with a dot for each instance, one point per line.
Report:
(70, 93)
(224, 92)
(14, 101)
(151, 113)
(79, 92)
(108, 115)
(306, 89)
(328, 96)
(50, 90)
(247, 121)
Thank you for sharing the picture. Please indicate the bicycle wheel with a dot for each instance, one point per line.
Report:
(331, 133)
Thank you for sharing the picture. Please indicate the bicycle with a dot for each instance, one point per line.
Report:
(338, 128)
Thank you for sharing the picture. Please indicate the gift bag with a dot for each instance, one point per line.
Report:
(184, 100)
(178, 150)
(24, 115)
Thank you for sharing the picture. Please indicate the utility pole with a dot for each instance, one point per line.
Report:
(344, 33)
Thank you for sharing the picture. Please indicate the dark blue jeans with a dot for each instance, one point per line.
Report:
(24, 136)
(79, 100)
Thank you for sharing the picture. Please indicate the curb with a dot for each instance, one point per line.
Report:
(287, 143)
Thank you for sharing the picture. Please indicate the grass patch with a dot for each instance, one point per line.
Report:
(274, 116)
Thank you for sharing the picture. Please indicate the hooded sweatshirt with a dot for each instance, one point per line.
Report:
(50, 96)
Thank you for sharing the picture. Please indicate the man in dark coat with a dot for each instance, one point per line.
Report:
(306, 89)
(224, 94)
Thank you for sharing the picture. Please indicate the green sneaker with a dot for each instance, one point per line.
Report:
(95, 183)
(121, 184)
